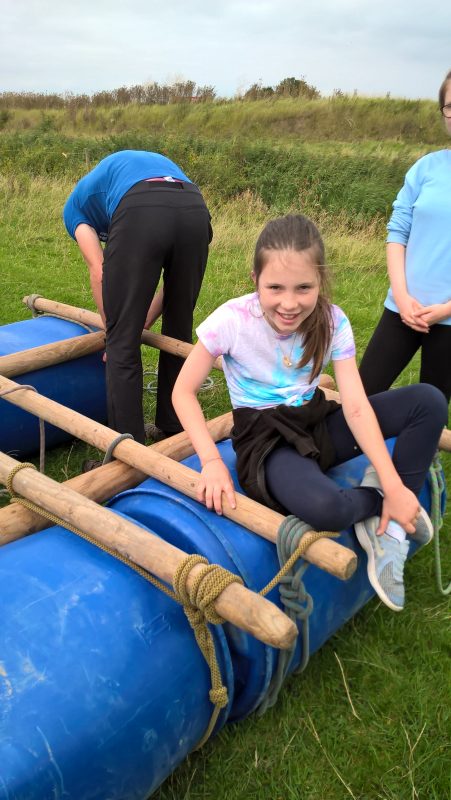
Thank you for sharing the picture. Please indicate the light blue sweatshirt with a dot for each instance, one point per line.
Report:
(421, 220)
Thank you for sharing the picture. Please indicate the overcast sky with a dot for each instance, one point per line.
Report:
(372, 46)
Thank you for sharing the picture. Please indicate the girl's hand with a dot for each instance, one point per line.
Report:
(429, 315)
(410, 312)
(214, 480)
(403, 507)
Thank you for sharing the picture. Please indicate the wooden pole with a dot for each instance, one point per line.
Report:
(104, 482)
(325, 553)
(48, 354)
(91, 318)
(238, 605)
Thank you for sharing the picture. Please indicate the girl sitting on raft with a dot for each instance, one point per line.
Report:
(275, 342)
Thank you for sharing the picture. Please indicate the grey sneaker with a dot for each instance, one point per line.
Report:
(424, 530)
(386, 558)
(370, 479)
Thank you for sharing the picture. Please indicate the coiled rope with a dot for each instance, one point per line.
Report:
(294, 537)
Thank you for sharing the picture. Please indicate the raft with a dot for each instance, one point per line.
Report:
(102, 687)
(78, 384)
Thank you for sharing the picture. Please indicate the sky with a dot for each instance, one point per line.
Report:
(374, 47)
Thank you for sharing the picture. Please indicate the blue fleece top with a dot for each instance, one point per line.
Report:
(97, 195)
(421, 221)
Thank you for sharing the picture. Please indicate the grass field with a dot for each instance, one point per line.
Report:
(370, 717)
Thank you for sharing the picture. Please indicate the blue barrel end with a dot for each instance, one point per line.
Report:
(78, 384)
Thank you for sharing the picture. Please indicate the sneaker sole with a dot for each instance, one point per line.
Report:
(365, 543)
(428, 522)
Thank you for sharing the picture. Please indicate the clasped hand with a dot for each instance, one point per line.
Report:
(419, 317)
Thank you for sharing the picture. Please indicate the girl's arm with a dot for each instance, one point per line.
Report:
(92, 252)
(399, 503)
(408, 305)
(215, 477)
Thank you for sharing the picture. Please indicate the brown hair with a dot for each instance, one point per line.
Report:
(298, 233)
(442, 90)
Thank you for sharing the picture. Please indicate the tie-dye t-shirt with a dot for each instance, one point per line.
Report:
(253, 354)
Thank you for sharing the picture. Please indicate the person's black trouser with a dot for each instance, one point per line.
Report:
(393, 345)
(415, 414)
(158, 226)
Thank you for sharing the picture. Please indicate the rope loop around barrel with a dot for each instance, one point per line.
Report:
(437, 486)
(3, 393)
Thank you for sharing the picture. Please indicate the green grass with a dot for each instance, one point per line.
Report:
(344, 118)
(370, 717)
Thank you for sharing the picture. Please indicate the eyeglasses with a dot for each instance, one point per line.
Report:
(446, 111)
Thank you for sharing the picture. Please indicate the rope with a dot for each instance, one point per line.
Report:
(41, 423)
(437, 485)
(294, 537)
(198, 601)
(31, 299)
(198, 605)
(111, 447)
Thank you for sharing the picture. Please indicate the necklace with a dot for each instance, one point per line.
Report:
(287, 359)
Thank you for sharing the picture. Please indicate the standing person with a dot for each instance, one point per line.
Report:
(154, 220)
(274, 344)
(417, 313)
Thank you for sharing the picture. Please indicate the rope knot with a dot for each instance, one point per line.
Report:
(219, 697)
(198, 603)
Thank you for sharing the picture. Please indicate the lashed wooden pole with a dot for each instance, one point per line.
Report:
(325, 553)
(92, 319)
(46, 355)
(238, 605)
(104, 482)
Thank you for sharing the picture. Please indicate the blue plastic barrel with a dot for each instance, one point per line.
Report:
(190, 526)
(78, 384)
(102, 688)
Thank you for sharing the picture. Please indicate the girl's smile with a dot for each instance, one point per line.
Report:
(288, 289)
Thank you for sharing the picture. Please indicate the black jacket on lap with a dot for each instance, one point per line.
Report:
(257, 432)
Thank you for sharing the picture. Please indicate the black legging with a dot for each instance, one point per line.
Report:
(157, 227)
(415, 414)
(393, 345)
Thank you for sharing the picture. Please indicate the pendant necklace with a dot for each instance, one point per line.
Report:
(287, 360)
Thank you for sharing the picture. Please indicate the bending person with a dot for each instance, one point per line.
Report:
(154, 220)
(274, 344)
(417, 313)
